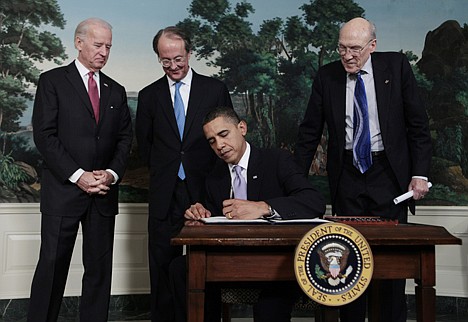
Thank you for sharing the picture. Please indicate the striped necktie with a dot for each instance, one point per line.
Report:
(362, 157)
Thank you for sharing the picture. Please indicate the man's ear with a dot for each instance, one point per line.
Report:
(78, 43)
(242, 126)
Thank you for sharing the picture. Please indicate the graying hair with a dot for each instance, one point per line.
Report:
(373, 30)
(82, 29)
(172, 32)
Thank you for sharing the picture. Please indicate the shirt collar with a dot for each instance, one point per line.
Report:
(82, 70)
(367, 68)
(187, 80)
(244, 161)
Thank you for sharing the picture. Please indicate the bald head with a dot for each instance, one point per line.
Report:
(356, 42)
(359, 27)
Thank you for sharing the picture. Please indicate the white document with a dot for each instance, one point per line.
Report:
(224, 220)
(407, 195)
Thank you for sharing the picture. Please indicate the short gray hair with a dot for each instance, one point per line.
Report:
(82, 29)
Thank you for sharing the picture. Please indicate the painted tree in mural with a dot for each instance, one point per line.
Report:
(445, 65)
(271, 69)
(311, 41)
(23, 43)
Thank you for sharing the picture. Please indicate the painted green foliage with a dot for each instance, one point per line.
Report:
(272, 68)
(23, 43)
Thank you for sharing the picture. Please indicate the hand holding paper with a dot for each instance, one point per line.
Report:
(407, 195)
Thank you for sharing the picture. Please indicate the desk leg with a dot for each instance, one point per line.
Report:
(425, 292)
(196, 276)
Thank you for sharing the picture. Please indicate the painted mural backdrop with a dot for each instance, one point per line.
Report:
(268, 58)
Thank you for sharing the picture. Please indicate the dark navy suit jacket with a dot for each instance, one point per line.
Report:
(273, 177)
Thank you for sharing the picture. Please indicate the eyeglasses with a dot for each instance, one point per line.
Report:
(355, 50)
(166, 62)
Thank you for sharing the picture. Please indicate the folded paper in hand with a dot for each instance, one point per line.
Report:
(406, 195)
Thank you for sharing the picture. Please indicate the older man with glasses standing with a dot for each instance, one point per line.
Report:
(379, 145)
(171, 142)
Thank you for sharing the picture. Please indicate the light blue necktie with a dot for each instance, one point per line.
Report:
(239, 184)
(362, 157)
(180, 118)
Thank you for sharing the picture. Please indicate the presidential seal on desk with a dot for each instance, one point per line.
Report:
(333, 264)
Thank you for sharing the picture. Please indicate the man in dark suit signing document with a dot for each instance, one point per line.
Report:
(252, 183)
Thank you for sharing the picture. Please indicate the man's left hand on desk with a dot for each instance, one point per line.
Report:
(196, 212)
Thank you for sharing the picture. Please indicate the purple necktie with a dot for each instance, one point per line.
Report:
(240, 186)
(93, 95)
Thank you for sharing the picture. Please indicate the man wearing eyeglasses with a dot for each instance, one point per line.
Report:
(171, 142)
(379, 144)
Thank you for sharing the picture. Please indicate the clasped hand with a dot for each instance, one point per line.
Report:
(96, 182)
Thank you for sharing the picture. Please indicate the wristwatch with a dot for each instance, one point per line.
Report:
(271, 213)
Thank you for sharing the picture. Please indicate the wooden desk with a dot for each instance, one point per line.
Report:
(235, 253)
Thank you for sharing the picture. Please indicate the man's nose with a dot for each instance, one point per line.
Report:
(220, 145)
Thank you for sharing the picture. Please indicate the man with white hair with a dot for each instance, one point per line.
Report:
(83, 130)
(379, 144)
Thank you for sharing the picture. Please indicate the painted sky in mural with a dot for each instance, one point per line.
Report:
(401, 24)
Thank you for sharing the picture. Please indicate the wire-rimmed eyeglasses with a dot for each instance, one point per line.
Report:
(179, 60)
(355, 50)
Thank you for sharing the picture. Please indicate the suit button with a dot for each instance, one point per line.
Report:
(182, 152)
(98, 137)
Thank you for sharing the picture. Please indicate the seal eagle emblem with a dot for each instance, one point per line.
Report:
(334, 258)
(333, 264)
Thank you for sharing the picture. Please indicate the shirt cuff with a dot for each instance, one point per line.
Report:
(75, 176)
(78, 173)
(273, 214)
(420, 177)
(115, 175)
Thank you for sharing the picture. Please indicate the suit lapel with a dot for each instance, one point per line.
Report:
(222, 182)
(254, 174)
(105, 88)
(338, 98)
(77, 82)
(383, 86)
(196, 94)
(165, 101)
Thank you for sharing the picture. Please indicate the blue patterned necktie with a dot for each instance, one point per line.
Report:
(362, 157)
(240, 186)
(180, 118)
